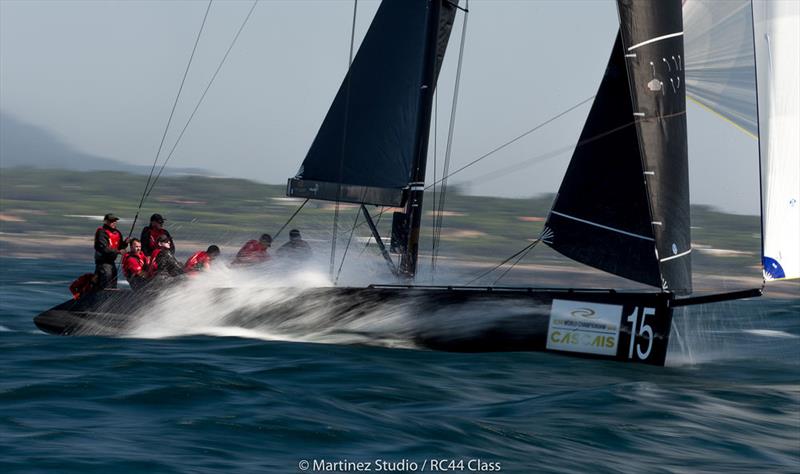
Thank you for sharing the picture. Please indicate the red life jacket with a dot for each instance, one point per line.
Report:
(134, 264)
(197, 262)
(152, 267)
(153, 235)
(252, 252)
(114, 237)
(82, 285)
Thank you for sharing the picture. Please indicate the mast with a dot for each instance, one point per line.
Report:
(413, 210)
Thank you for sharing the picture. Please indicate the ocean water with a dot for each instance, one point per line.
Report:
(222, 400)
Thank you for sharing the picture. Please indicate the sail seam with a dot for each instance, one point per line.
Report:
(603, 226)
(682, 254)
(653, 40)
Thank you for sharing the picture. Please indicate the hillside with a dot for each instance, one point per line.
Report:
(48, 203)
(26, 145)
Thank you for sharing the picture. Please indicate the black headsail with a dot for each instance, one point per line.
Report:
(368, 147)
(623, 206)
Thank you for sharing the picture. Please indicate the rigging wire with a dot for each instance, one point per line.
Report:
(524, 254)
(523, 251)
(377, 223)
(350, 238)
(532, 160)
(203, 96)
(297, 211)
(347, 247)
(344, 141)
(171, 114)
(449, 148)
(435, 152)
(554, 153)
(514, 140)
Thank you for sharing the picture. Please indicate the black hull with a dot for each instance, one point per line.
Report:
(587, 323)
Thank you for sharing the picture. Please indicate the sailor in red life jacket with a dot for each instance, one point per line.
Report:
(152, 232)
(108, 243)
(201, 260)
(253, 251)
(163, 265)
(134, 265)
(83, 285)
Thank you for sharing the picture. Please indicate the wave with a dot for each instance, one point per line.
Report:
(47, 283)
(771, 333)
(268, 303)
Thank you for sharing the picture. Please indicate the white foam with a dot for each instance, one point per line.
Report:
(277, 303)
(771, 333)
(38, 282)
(5, 329)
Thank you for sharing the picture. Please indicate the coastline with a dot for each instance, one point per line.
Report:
(45, 246)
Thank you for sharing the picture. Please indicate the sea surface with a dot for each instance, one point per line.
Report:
(243, 402)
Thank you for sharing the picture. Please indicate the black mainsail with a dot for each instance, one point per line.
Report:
(623, 206)
(368, 148)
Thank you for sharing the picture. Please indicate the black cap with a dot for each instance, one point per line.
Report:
(212, 249)
(162, 238)
(294, 233)
(265, 238)
(110, 217)
(158, 218)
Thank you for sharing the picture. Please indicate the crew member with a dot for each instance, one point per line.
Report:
(163, 264)
(134, 265)
(152, 232)
(108, 243)
(83, 285)
(296, 248)
(253, 251)
(201, 260)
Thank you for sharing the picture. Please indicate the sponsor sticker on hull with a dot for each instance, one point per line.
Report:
(590, 328)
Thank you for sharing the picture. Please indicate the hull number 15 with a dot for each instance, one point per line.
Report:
(639, 329)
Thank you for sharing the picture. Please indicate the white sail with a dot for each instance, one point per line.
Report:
(720, 66)
(776, 26)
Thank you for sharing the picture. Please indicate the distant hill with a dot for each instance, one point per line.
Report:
(26, 145)
(228, 211)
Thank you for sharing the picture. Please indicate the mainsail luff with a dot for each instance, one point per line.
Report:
(623, 206)
(652, 33)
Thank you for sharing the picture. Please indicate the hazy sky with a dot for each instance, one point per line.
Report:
(103, 75)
